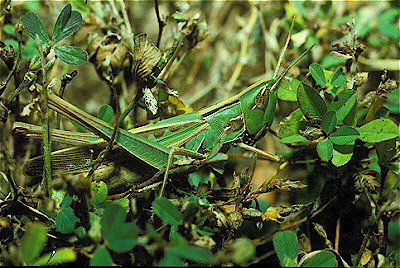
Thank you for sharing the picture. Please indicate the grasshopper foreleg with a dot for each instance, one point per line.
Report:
(152, 184)
(178, 151)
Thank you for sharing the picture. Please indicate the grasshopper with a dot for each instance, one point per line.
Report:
(146, 151)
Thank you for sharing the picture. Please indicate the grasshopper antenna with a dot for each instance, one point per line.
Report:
(281, 57)
(290, 66)
(284, 48)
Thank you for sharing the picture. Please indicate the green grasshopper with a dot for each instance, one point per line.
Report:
(146, 151)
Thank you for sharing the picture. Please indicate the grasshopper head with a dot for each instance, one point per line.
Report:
(258, 107)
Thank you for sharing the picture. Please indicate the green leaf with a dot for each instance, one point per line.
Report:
(191, 211)
(192, 253)
(113, 215)
(344, 135)
(286, 247)
(171, 260)
(329, 122)
(341, 154)
(101, 257)
(287, 90)
(311, 103)
(67, 23)
(105, 113)
(322, 259)
(325, 149)
(179, 17)
(338, 78)
(393, 101)
(31, 5)
(389, 29)
(8, 29)
(123, 238)
(329, 61)
(351, 117)
(167, 211)
(291, 124)
(80, 232)
(243, 250)
(119, 235)
(378, 130)
(33, 241)
(71, 55)
(98, 192)
(61, 255)
(386, 150)
(66, 220)
(124, 202)
(67, 201)
(196, 178)
(33, 26)
(318, 74)
(342, 104)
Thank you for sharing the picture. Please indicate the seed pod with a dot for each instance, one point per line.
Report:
(109, 54)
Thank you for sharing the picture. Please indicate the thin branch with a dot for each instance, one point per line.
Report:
(125, 17)
(284, 48)
(3, 85)
(337, 234)
(243, 48)
(161, 23)
(29, 78)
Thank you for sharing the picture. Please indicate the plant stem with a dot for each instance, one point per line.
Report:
(161, 23)
(45, 121)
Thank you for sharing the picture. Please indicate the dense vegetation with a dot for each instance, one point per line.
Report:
(330, 199)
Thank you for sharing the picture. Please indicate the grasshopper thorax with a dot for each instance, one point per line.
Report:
(258, 108)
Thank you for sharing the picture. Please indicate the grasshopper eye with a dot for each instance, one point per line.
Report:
(261, 99)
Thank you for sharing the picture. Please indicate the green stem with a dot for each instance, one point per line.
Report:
(130, 106)
(45, 121)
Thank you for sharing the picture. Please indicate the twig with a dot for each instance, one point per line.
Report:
(270, 178)
(256, 260)
(310, 216)
(243, 48)
(161, 23)
(284, 48)
(337, 234)
(263, 239)
(3, 85)
(3, 10)
(29, 78)
(11, 183)
(363, 245)
(125, 17)
(128, 108)
(267, 61)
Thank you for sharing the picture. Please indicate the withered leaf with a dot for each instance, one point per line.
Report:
(145, 56)
(367, 179)
(279, 213)
(284, 185)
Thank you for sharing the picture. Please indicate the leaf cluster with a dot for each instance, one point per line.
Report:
(68, 22)
(341, 145)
